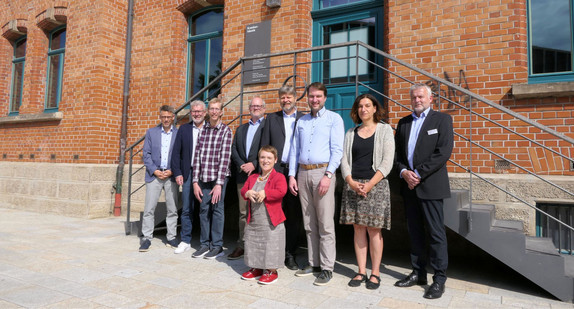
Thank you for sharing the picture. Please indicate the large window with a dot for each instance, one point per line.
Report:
(18, 62)
(205, 44)
(550, 41)
(55, 68)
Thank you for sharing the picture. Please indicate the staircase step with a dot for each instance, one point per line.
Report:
(478, 207)
(568, 265)
(541, 245)
(508, 225)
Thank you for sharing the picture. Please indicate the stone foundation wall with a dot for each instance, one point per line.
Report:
(525, 187)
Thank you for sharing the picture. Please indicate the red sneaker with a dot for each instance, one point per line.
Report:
(269, 277)
(252, 274)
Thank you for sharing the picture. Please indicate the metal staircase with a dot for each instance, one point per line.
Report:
(535, 258)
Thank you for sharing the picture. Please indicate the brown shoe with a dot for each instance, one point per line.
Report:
(236, 254)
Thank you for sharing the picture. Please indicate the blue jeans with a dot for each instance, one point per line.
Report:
(187, 201)
(211, 216)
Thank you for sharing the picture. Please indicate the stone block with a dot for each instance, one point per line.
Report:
(73, 191)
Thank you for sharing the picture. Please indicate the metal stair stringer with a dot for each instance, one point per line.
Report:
(507, 243)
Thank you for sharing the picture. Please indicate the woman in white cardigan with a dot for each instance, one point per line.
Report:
(369, 150)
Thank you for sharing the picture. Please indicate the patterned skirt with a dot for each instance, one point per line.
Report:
(372, 211)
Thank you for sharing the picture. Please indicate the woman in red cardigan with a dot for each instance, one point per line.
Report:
(265, 232)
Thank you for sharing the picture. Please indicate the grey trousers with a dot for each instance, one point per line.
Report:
(153, 191)
(318, 212)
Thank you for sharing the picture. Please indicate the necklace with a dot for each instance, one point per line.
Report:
(263, 177)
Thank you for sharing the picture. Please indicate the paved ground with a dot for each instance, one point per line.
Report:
(53, 261)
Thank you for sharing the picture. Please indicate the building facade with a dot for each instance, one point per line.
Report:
(62, 96)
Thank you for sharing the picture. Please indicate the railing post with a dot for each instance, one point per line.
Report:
(356, 69)
(469, 216)
(128, 223)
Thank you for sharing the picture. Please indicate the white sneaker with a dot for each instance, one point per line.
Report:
(181, 248)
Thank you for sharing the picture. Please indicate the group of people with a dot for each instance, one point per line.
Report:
(284, 170)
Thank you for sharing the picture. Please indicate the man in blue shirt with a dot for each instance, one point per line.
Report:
(244, 155)
(158, 144)
(315, 154)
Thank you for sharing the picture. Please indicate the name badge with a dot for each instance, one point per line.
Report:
(431, 132)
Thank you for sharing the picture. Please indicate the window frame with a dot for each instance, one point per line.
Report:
(60, 52)
(540, 78)
(191, 39)
(15, 61)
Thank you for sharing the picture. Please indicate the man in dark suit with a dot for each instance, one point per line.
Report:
(157, 149)
(424, 142)
(181, 161)
(244, 155)
(278, 132)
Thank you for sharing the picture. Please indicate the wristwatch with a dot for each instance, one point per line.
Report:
(329, 175)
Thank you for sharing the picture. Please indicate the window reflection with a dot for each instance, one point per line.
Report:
(205, 51)
(345, 67)
(551, 36)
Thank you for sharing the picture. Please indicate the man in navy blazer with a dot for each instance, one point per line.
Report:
(181, 161)
(244, 152)
(424, 142)
(157, 149)
(278, 132)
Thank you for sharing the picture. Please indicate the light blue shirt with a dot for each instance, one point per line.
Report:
(317, 140)
(253, 126)
(289, 123)
(416, 126)
(195, 131)
(165, 143)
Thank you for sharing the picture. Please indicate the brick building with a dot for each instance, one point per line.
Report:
(64, 61)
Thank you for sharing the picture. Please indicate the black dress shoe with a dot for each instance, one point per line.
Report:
(411, 280)
(290, 263)
(434, 291)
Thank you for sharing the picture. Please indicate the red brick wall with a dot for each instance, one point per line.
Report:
(487, 41)
(92, 84)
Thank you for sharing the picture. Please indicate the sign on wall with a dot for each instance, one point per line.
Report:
(257, 42)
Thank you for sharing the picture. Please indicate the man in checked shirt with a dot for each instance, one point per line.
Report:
(210, 175)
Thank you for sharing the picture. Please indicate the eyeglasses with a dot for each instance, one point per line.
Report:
(198, 112)
(214, 109)
(166, 117)
(257, 106)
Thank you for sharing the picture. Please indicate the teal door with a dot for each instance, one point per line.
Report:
(338, 68)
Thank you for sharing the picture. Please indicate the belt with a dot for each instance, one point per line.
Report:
(162, 169)
(313, 166)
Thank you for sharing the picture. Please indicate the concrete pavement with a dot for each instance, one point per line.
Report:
(51, 261)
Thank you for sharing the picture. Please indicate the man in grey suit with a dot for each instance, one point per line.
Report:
(157, 150)
(244, 155)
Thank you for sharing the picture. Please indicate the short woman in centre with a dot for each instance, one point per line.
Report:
(265, 231)
(368, 154)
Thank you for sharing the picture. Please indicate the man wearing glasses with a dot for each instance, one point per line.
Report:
(158, 144)
(210, 174)
(244, 151)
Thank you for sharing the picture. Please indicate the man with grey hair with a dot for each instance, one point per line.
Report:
(244, 149)
(278, 132)
(424, 142)
(181, 163)
(157, 149)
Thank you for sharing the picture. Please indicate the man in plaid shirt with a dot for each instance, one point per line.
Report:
(210, 174)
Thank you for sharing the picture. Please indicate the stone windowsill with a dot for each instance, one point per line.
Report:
(57, 116)
(527, 91)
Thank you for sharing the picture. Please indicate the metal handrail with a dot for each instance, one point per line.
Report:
(440, 81)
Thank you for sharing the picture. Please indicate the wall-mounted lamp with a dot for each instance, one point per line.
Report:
(273, 3)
